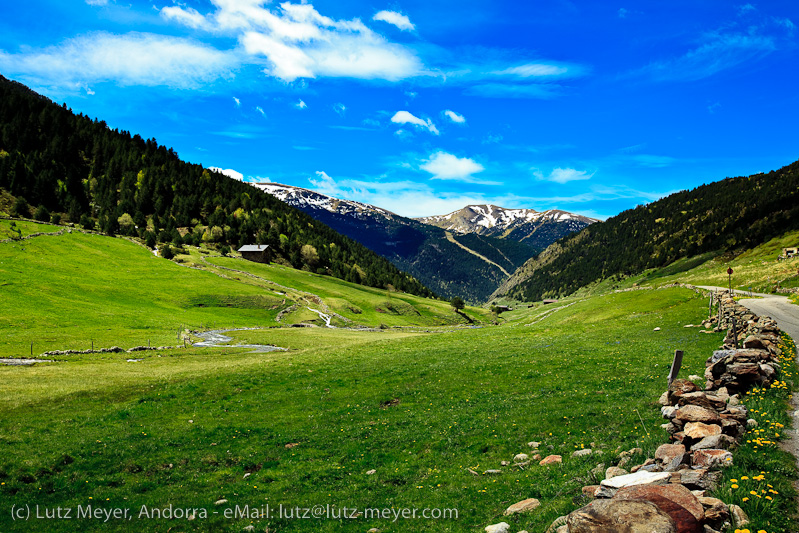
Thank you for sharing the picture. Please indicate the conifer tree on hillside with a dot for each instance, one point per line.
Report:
(59, 162)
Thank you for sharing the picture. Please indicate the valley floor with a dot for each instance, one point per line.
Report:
(405, 417)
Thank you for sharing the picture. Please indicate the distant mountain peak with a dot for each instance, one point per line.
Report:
(299, 197)
(518, 224)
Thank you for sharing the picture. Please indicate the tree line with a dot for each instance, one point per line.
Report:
(70, 168)
(725, 216)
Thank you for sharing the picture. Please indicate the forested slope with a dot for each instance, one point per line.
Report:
(74, 168)
(724, 216)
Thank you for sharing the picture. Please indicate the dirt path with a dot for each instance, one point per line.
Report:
(451, 239)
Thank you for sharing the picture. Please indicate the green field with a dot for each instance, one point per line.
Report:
(78, 290)
(420, 406)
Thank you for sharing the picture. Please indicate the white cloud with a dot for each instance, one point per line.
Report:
(562, 175)
(260, 110)
(445, 166)
(515, 90)
(404, 117)
(299, 42)
(719, 52)
(97, 2)
(406, 198)
(300, 105)
(501, 74)
(128, 59)
(397, 19)
(455, 117)
(229, 172)
(746, 8)
(622, 13)
(533, 70)
(340, 108)
(188, 17)
(237, 101)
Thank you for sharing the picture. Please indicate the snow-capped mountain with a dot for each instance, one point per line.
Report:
(467, 265)
(306, 198)
(538, 228)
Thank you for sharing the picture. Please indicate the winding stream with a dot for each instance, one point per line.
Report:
(217, 338)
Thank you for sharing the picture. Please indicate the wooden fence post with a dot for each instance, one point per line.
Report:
(675, 366)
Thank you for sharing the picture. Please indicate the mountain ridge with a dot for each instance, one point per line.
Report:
(468, 265)
(538, 228)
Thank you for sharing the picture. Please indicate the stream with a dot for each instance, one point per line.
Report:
(326, 318)
(218, 339)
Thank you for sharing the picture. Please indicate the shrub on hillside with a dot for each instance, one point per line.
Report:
(21, 208)
(86, 222)
(42, 214)
(457, 303)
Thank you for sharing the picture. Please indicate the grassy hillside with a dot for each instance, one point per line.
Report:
(58, 166)
(67, 291)
(725, 217)
(757, 269)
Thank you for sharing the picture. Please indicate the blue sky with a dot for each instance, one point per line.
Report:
(424, 106)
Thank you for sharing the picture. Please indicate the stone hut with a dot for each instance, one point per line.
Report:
(255, 252)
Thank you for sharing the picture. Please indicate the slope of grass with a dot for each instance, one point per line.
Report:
(361, 305)
(77, 290)
(185, 427)
(757, 268)
(12, 229)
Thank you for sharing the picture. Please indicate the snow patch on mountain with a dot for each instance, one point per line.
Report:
(299, 198)
(494, 219)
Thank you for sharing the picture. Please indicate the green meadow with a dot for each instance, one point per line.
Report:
(78, 290)
(429, 409)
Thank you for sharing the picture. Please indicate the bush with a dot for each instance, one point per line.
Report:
(166, 252)
(55, 218)
(86, 221)
(42, 214)
(457, 303)
(21, 208)
(149, 239)
(224, 250)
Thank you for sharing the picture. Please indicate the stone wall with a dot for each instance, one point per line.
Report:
(668, 493)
